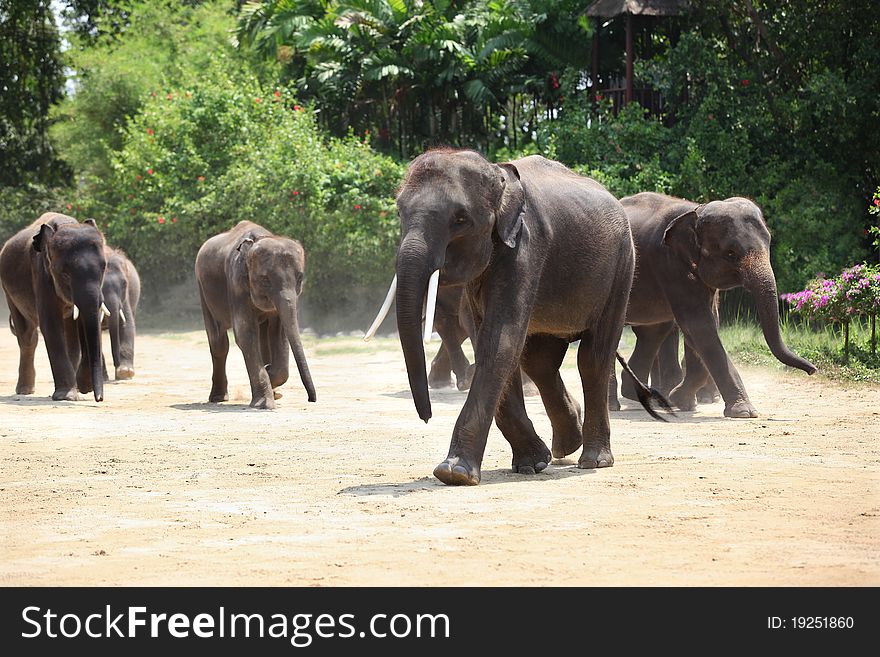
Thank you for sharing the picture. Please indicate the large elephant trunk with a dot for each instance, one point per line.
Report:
(414, 268)
(287, 312)
(90, 305)
(758, 278)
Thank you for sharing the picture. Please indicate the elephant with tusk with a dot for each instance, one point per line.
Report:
(546, 259)
(250, 280)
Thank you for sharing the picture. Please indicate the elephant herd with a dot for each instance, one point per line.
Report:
(523, 258)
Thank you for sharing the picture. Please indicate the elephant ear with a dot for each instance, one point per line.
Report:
(245, 245)
(511, 206)
(42, 238)
(681, 236)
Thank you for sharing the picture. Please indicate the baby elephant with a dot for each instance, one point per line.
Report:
(122, 291)
(250, 280)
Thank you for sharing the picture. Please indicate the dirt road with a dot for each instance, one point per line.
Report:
(156, 487)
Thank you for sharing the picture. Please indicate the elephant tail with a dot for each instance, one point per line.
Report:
(645, 394)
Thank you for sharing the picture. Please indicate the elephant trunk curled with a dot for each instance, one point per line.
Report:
(414, 268)
(758, 278)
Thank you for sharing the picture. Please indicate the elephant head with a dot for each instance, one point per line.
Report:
(455, 207)
(727, 244)
(275, 270)
(73, 256)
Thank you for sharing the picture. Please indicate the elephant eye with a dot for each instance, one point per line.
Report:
(731, 255)
(460, 220)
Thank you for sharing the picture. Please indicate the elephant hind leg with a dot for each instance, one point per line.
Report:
(541, 360)
(649, 339)
(218, 342)
(530, 453)
(26, 334)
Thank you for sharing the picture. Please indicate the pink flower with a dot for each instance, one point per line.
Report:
(173, 220)
(297, 108)
(357, 207)
(161, 220)
(69, 206)
(150, 171)
(170, 96)
(877, 202)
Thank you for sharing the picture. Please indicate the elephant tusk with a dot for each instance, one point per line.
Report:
(383, 311)
(121, 316)
(104, 311)
(431, 305)
(75, 312)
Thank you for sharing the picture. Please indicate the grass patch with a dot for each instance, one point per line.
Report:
(821, 346)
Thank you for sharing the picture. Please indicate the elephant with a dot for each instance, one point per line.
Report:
(250, 280)
(667, 372)
(546, 259)
(687, 252)
(122, 292)
(51, 273)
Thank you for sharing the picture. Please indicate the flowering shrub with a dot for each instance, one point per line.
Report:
(855, 292)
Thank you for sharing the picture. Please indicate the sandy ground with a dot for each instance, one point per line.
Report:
(155, 486)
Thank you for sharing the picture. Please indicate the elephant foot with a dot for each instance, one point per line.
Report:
(595, 457)
(741, 409)
(263, 402)
(628, 390)
(124, 373)
(69, 394)
(438, 380)
(683, 400)
(566, 442)
(24, 389)
(707, 396)
(613, 404)
(464, 383)
(530, 389)
(532, 460)
(456, 471)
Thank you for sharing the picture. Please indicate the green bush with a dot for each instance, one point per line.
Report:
(196, 161)
(19, 206)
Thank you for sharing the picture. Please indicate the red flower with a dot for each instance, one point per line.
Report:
(173, 220)
(744, 82)
(161, 220)
(357, 207)
(138, 177)
(150, 171)
(277, 94)
(877, 202)
(150, 131)
(69, 206)
(201, 179)
(170, 96)
(295, 193)
(297, 108)
(258, 100)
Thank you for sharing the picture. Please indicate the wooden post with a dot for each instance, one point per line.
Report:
(629, 59)
(595, 72)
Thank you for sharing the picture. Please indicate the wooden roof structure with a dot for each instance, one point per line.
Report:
(611, 8)
(630, 8)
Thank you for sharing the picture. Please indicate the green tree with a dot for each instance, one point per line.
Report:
(31, 80)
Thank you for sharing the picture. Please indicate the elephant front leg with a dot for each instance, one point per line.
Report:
(499, 346)
(706, 352)
(53, 329)
(247, 337)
